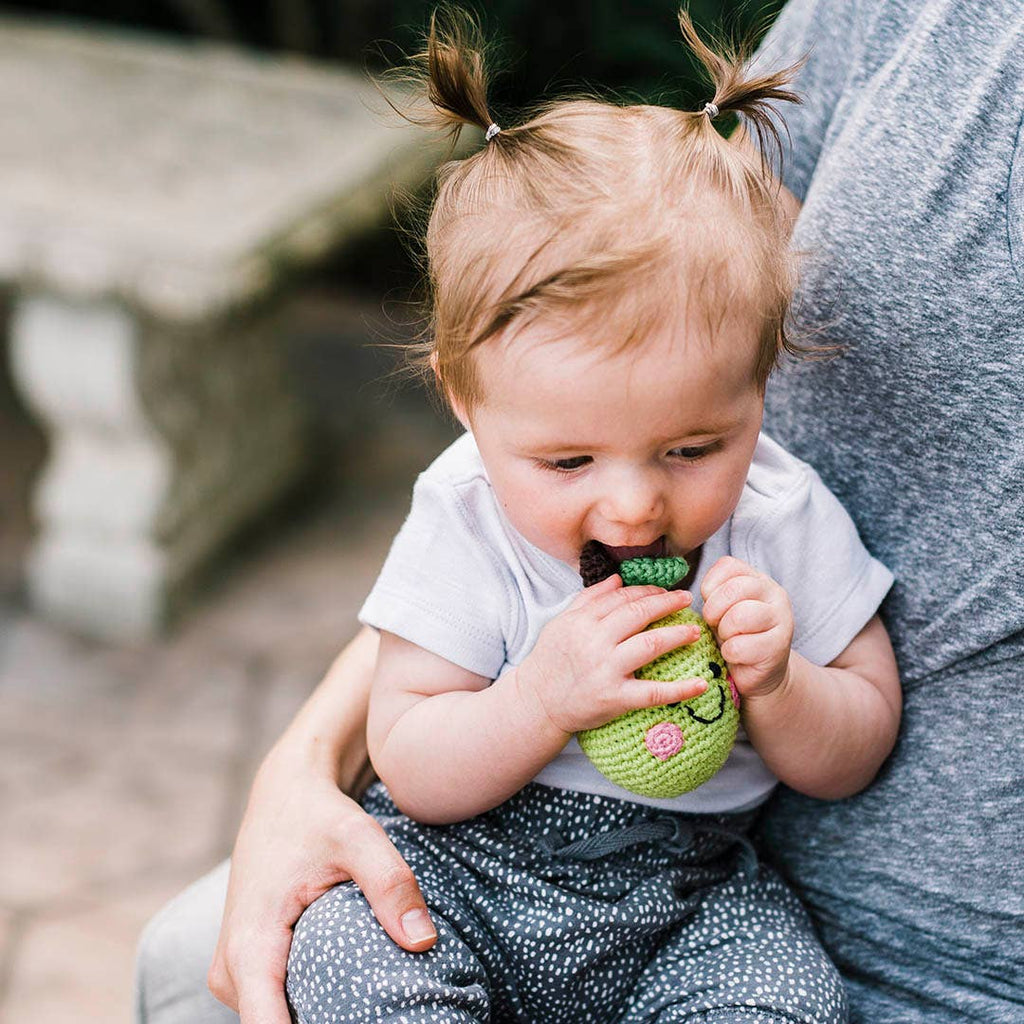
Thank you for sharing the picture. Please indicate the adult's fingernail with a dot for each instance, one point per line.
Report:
(417, 926)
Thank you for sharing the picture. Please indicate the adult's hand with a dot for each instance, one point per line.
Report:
(301, 834)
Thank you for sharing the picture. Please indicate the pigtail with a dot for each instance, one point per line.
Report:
(750, 96)
(450, 72)
(457, 81)
(738, 91)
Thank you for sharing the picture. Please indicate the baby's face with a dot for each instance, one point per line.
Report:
(645, 451)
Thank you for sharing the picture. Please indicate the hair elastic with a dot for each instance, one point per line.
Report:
(492, 130)
(711, 109)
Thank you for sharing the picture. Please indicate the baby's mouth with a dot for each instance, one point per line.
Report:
(656, 549)
(599, 561)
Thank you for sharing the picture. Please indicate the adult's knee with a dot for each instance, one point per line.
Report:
(174, 954)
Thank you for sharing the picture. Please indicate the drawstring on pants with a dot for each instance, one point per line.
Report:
(677, 834)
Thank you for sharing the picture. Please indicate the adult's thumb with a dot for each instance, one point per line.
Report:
(388, 884)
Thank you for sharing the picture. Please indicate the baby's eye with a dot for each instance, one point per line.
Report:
(568, 465)
(691, 454)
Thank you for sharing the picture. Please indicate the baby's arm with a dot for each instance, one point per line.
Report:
(823, 730)
(449, 744)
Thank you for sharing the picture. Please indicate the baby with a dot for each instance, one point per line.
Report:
(609, 285)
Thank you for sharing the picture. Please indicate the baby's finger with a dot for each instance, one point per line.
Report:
(604, 604)
(643, 647)
(746, 617)
(724, 569)
(653, 693)
(731, 592)
(752, 649)
(609, 585)
(634, 611)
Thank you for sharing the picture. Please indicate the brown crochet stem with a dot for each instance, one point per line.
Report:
(596, 564)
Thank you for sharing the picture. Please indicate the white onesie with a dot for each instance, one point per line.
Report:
(461, 582)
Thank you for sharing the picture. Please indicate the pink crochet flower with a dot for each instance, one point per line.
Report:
(733, 692)
(663, 740)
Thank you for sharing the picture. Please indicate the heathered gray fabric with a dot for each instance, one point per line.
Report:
(909, 159)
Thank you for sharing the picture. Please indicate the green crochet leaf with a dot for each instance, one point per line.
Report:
(660, 572)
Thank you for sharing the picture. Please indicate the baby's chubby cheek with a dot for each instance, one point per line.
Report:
(708, 509)
(543, 518)
(547, 528)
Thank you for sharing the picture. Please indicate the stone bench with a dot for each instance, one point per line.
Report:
(153, 198)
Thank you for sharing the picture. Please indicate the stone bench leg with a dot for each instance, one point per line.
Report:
(162, 442)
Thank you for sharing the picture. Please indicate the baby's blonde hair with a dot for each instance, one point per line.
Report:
(596, 215)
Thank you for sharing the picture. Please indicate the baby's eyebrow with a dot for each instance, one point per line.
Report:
(690, 437)
(561, 449)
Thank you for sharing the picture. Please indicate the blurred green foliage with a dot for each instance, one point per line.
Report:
(630, 46)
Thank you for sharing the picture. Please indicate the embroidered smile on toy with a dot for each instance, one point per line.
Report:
(668, 750)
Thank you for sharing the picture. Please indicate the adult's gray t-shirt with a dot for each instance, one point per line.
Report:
(909, 160)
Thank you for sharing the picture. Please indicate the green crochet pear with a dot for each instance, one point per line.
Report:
(668, 750)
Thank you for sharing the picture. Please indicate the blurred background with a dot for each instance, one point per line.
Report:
(125, 760)
(631, 47)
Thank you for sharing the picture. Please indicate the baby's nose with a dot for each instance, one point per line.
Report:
(633, 504)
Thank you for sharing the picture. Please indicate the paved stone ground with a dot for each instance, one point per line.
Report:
(123, 772)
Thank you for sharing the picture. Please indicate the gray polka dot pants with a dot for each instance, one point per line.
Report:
(562, 906)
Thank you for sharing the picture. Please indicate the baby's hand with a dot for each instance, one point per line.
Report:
(580, 673)
(752, 617)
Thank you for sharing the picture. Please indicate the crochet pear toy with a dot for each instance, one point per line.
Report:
(668, 750)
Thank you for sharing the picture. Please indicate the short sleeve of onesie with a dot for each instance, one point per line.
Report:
(440, 587)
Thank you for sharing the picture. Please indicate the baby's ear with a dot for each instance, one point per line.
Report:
(454, 404)
(459, 409)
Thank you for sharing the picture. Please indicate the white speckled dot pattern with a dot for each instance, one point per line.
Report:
(650, 932)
